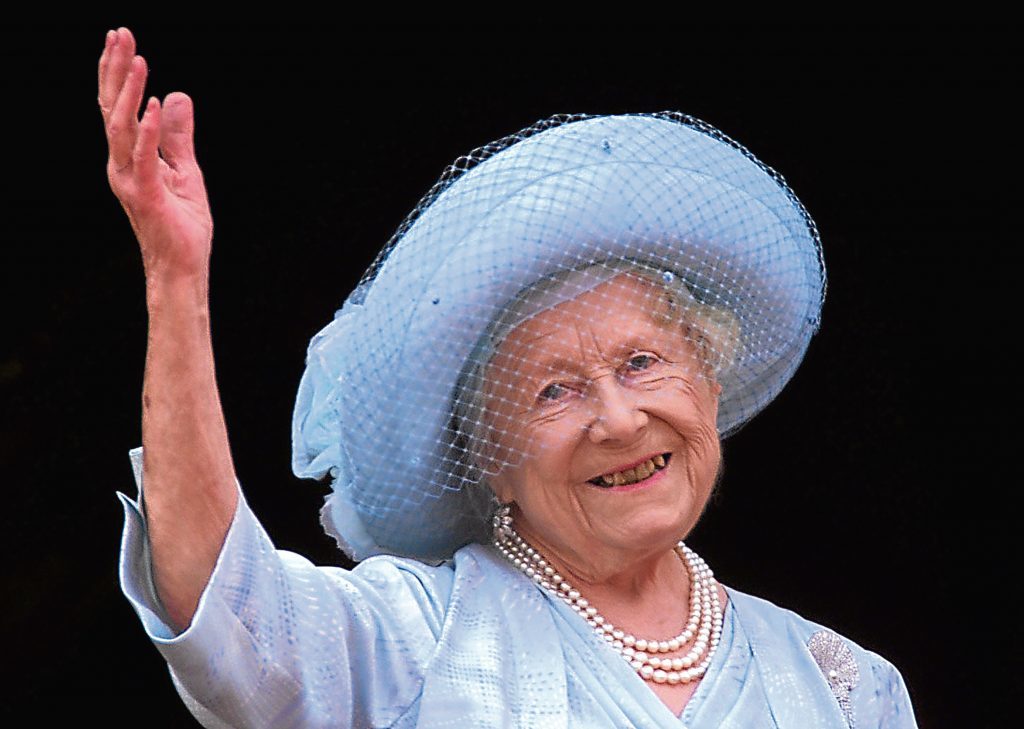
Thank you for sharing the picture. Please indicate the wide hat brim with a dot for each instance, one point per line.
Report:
(376, 397)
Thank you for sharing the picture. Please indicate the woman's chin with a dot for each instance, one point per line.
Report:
(660, 507)
(648, 531)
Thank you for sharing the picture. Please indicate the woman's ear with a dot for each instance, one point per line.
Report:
(716, 392)
(485, 461)
(500, 489)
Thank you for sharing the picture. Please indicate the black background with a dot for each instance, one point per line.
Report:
(872, 496)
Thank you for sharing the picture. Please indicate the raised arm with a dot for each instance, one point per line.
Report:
(190, 486)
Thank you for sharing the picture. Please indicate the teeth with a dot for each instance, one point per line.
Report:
(632, 475)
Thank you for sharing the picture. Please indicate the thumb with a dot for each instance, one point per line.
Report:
(177, 127)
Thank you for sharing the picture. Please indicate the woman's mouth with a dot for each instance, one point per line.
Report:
(637, 474)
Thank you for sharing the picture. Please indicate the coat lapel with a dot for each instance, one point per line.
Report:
(797, 692)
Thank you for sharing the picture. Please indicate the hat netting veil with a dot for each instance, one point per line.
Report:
(394, 402)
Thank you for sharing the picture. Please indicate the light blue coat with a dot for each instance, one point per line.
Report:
(279, 642)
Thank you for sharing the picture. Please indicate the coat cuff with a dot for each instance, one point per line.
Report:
(217, 654)
(136, 564)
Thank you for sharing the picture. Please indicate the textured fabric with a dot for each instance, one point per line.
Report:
(279, 642)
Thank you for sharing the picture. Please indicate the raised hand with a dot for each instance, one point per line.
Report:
(162, 193)
(190, 484)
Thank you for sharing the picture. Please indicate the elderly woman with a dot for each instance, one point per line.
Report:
(520, 408)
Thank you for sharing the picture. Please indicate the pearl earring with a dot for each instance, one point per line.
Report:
(502, 522)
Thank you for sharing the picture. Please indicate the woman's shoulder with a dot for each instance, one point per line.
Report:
(760, 610)
(780, 637)
(390, 570)
(766, 618)
(475, 573)
(471, 564)
(466, 558)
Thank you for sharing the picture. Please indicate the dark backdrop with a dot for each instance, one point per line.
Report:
(871, 496)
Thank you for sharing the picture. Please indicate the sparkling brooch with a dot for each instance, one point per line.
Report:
(836, 661)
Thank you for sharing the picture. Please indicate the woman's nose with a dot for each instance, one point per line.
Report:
(616, 414)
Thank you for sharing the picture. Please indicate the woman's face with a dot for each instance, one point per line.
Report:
(585, 392)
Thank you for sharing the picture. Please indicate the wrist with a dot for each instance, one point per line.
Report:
(176, 288)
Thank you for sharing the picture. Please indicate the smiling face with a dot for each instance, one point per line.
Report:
(612, 415)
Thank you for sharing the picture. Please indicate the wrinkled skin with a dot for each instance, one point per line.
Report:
(627, 388)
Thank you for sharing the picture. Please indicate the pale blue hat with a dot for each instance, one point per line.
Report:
(374, 407)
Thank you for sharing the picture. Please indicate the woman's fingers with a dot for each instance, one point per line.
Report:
(107, 93)
(122, 78)
(145, 162)
(123, 124)
(114, 64)
(177, 131)
(104, 71)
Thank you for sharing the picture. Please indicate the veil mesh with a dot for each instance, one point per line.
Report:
(580, 261)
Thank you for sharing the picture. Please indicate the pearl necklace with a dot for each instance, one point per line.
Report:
(705, 611)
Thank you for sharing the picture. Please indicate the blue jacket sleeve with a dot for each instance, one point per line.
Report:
(277, 641)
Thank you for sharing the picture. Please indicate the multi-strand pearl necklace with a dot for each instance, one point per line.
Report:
(705, 620)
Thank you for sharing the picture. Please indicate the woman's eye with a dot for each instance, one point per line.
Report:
(640, 362)
(554, 391)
